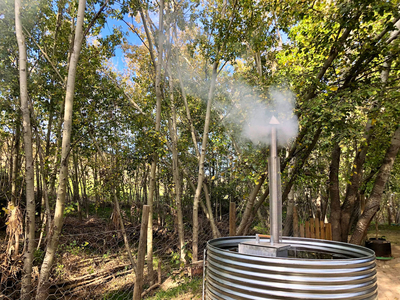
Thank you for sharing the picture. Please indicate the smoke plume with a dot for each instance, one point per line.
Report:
(253, 114)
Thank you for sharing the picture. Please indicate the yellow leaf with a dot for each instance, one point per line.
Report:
(355, 166)
(7, 223)
(334, 88)
(212, 178)
(373, 122)
(137, 18)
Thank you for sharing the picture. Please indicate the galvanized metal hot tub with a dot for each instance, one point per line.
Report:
(346, 271)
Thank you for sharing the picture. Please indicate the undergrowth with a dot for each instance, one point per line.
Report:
(193, 286)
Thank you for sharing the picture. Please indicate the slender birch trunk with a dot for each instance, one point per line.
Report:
(43, 284)
(201, 165)
(26, 284)
(15, 160)
(214, 228)
(75, 185)
(175, 168)
(157, 129)
(14, 236)
(209, 214)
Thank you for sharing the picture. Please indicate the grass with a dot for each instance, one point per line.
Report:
(120, 295)
(194, 287)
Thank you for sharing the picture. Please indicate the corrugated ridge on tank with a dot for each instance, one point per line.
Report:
(350, 273)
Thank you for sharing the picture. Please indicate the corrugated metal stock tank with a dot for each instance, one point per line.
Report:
(315, 269)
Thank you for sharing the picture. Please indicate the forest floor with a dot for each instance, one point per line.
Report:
(106, 274)
(389, 276)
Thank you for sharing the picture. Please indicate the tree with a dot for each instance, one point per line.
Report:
(374, 201)
(29, 166)
(42, 290)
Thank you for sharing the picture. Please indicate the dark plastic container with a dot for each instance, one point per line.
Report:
(381, 246)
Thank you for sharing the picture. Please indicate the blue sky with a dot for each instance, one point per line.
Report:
(118, 59)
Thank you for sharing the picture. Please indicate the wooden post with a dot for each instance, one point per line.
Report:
(328, 231)
(137, 291)
(159, 277)
(322, 227)
(302, 230)
(317, 231)
(308, 234)
(312, 228)
(232, 219)
(295, 222)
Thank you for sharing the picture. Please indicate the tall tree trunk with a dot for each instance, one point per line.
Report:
(255, 209)
(250, 204)
(157, 129)
(334, 192)
(374, 200)
(300, 163)
(15, 161)
(201, 164)
(46, 218)
(96, 183)
(192, 129)
(121, 224)
(39, 188)
(214, 228)
(43, 284)
(26, 284)
(75, 185)
(355, 182)
(175, 169)
(84, 189)
(288, 228)
(352, 190)
(14, 175)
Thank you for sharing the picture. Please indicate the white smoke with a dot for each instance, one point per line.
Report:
(254, 114)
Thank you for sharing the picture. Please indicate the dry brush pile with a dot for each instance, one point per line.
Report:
(92, 262)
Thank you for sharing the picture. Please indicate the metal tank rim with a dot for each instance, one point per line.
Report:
(357, 252)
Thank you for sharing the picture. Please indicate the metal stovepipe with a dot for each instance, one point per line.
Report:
(274, 206)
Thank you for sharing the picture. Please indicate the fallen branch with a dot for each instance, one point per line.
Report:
(72, 289)
(86, 279)
(156, 285)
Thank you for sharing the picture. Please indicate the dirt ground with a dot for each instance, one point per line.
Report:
(389, 276)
